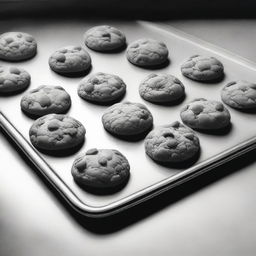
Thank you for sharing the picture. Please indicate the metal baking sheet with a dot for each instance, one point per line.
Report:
(147, 178)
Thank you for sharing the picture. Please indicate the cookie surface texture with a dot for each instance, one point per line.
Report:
(127, 119)
(161, 88)
(13, 79)
(101, 168)
(56, 132)
(46, 99)
(104, 38)
(147, 52)
(102, 88)
(202, 68)
(172, 143)
(239, 94)
(70, 59)
(17, 46)
(205, 114)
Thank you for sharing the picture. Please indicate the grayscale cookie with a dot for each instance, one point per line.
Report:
(17, 46)
(172, 143)
(45, 100)
(102, 88)
(69, 60)
(127, 119)
(161, 88)
(239, 94)
(202, 68)
(205, 114)
(54, 132)
(104, 38)
(147, 52)
(101, 168)
(13, 79)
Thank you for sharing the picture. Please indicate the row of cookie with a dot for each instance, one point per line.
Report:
(97, 168)
(75, 60)
(105, 88)
(16, 46)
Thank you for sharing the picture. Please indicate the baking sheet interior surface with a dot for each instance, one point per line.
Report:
(54, 34)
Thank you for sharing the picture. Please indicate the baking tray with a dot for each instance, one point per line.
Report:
(148, 179)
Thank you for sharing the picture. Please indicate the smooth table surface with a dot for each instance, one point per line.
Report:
(216, 219)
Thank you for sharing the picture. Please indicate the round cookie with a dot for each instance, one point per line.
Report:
(239, 94)
(205, 114)
(172, 143)
(104, 38)
(17, 46)
(101, 169)
(45, 100)
(54, 132)
(202, 68)
(102, 88)
(161, 88)
(70, 60)
(127, 119)
(13, 79)
(147, 52)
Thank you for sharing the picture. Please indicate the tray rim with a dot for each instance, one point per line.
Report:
(166, 28)
(155, 189)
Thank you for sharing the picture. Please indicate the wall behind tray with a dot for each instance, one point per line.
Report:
(130, 9)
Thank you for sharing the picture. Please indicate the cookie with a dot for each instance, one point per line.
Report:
(13, 79)
(161, 88)
(102, 88)
(104, 38)
(54, 132)
(127, 119)
(45, 100)
(239, 94)
(202, 68)
(205, 114)
(147, 52)
(69, 60)
(101, 168)
(172, 143)
(17, 46)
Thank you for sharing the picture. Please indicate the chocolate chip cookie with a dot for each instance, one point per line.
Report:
(104, 38)
(172, 143)
(161, 88)
(127, 119)
(70, 60)
(239, 94)
(102, 88)
(147, 52)
(205, 114)
(17, 46)
(44, 100)
(101, 169)
(54, 132)
(202, 68)
(13, 79)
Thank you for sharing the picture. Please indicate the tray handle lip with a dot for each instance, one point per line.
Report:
(131, 200)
